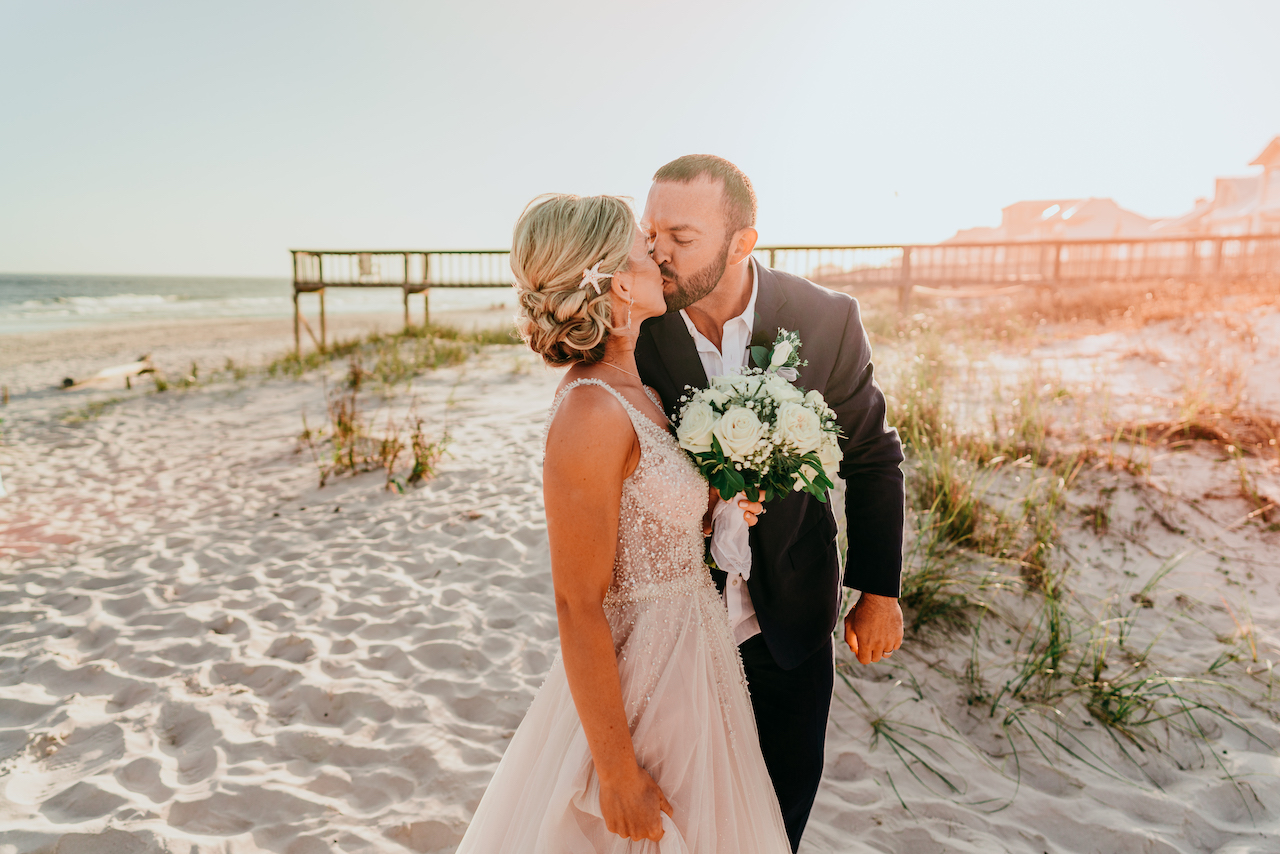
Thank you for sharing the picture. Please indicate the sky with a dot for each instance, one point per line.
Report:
(209, 138)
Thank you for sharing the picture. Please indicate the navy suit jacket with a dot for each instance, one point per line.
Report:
(795, 570)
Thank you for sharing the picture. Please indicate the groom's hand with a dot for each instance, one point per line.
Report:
(873, 627)
(751, 510)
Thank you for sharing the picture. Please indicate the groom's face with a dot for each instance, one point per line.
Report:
(688, 238)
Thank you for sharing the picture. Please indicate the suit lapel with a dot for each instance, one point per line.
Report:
(771, 308)
(679, 355)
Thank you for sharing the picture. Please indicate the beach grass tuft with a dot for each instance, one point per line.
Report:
(348, 444)
(396, 357)
(90, 411)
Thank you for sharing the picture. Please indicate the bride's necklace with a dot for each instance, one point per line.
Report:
(624, 370)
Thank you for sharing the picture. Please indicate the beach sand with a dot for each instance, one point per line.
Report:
(203, 651)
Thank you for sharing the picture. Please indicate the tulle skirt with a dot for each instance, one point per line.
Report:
(692, 728)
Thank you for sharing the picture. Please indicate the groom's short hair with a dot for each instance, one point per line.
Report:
(739, 195)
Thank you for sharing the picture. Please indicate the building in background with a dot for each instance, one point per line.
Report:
(1240, 205)
(1059, 219)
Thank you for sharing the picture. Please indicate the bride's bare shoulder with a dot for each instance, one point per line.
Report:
(589, 419)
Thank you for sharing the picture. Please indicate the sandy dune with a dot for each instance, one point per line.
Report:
(201, 651)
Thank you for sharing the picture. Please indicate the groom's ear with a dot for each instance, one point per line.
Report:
(744, 243)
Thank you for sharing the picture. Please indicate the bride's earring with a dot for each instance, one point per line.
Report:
(626, 328)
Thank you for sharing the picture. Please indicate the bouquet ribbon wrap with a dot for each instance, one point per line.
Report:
(730, 544)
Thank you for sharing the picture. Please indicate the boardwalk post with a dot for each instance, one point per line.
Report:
(322, 333)
(426, 290)
(297, 342)
(405, 287)
(904, 287)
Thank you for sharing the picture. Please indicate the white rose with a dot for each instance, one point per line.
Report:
(799, 426)
(740, 385)
(830, 455)
(814, 398)
(738, 431)
(724, 382)
(807, 471)
(715, 396)
(780, 355)
(782, 391)
(694, 431)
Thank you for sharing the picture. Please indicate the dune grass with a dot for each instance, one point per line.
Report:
(990, 494)
(91, 411)
(395, 357)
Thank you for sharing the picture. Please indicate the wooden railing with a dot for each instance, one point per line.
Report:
(958, 269)
(977, 269)
(414, 271)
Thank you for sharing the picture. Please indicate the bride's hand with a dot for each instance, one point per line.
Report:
(631, 807)
(713, 498)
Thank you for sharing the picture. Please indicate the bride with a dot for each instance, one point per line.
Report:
(642, 738)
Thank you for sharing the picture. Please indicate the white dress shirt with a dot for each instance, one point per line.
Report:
(729, 359)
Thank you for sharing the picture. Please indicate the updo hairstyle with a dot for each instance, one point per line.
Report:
(556, 238)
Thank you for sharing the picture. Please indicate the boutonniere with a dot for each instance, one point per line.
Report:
(782, 358)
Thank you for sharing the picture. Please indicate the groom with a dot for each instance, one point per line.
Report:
(700, 218)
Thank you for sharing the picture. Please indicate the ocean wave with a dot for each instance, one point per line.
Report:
(30, 303)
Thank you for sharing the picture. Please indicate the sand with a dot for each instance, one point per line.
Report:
(202, 651)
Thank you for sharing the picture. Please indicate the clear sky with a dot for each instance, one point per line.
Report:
(210, 137)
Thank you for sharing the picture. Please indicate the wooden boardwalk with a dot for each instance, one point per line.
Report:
(955, 269)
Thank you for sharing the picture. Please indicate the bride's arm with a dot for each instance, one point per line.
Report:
(591, 448)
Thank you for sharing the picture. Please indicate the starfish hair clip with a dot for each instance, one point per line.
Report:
(593, 277)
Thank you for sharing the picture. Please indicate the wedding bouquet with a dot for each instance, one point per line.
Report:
(756, 431)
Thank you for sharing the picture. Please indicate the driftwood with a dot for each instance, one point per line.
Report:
(109, 376)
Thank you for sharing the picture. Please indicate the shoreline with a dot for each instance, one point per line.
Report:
(38, 362)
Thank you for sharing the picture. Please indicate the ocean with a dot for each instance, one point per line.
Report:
(38, 302)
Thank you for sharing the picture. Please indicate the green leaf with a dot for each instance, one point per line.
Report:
(760, 355)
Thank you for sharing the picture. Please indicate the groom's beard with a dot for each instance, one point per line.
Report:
(694, 287)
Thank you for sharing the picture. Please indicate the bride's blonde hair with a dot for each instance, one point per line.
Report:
(556, 239)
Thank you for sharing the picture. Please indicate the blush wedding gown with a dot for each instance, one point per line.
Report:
(683, 690)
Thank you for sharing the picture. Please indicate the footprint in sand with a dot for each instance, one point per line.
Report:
(425, 836)
(188, 735)
(292, 648)
(142, 775)
(81, 802)
(63, 763)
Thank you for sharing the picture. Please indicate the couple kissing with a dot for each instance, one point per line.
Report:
(687, 710)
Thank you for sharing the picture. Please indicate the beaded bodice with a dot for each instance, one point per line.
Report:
(660, 544)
